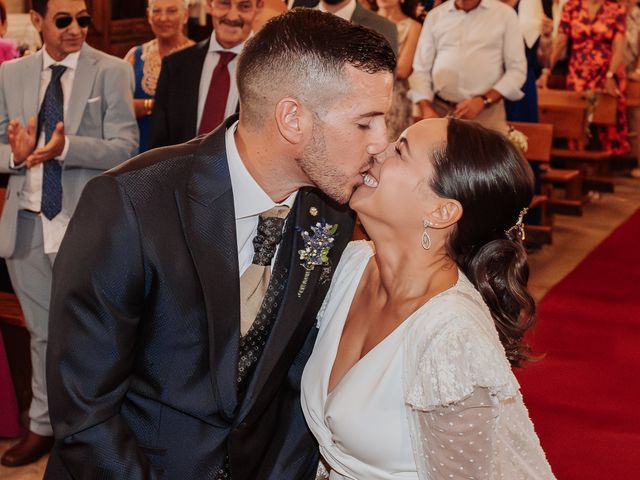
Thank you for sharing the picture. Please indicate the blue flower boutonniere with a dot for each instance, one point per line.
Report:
(316, 250)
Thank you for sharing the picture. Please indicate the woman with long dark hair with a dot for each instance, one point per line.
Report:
(411, 373)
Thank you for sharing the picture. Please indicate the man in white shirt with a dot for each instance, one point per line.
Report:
(197, 87)
(470, 56)
(66, 115)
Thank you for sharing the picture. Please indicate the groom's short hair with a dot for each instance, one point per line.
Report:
(303, 54)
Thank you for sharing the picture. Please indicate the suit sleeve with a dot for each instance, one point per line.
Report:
(95, 311)
(5, 149)
(159, 133)
(119, 140)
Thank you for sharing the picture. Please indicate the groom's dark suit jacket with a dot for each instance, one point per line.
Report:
(145, 322)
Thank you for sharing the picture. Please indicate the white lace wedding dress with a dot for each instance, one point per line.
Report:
(436, 399)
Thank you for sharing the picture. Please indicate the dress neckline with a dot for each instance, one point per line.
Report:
(334, 347)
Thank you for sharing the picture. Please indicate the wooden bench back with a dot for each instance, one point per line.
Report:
(567, 112)
(539, 140)
(633, 94)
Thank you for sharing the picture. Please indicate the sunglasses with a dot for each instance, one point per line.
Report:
(65, 21)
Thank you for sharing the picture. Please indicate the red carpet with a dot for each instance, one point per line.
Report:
(584, 396)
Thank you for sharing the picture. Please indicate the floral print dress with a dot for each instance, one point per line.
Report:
(591, 53)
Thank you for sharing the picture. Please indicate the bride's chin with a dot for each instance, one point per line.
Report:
(360, 198)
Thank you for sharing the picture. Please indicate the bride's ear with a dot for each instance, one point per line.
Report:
(447, 213)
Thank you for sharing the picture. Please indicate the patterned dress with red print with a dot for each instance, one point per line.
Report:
(591, 53)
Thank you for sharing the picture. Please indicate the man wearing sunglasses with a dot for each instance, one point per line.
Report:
(66, 115)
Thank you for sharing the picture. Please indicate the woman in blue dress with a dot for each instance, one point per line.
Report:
(167, 19)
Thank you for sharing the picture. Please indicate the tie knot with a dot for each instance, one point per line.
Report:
(269, 234)
(57, 71)
(225, 58)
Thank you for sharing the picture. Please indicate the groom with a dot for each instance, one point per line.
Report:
(157, 365)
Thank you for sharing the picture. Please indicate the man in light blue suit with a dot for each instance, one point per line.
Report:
(66, 115)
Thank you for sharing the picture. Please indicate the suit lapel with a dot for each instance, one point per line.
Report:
(208, 219)
(30, 84)
(82, 85)
(192, 90)
(292, 316)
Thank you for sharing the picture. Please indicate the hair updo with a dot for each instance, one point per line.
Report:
(488, 175)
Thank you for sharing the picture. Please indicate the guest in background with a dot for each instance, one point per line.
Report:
(596, 29)
(197, 86)
(167, 19)
(270, 9)
(632, 67)
(400, 115)
(66, 115)
(8, 46)
(533, 23)
(353, 11)
(470, 56)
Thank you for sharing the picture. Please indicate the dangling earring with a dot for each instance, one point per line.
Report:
(426, 239)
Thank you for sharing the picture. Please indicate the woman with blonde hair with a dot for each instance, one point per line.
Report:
(167, 19)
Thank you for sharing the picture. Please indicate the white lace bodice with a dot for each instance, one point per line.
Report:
(435, 399)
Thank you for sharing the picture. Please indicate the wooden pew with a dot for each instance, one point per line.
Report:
(568, 112)
(539, 140)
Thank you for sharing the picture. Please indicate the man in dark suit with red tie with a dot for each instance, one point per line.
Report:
(197, 88)
(164, 361)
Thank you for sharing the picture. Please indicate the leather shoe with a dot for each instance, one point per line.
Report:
(29, 449)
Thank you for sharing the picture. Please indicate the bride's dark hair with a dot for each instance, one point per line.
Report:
(488, 175)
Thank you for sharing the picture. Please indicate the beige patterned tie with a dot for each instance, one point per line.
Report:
(255, 279)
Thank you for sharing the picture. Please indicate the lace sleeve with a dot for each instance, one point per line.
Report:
(447, 367)
(456, 441)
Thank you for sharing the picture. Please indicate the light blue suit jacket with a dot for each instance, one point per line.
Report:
(100, 126)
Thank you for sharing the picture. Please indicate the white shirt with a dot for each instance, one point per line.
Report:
(345, 12)
(462, 55)
(249, 200)
(31, 196)
(210, 62)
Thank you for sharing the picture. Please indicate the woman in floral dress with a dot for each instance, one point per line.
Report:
(597, 32)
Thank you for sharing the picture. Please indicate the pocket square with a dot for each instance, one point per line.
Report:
(94, 99)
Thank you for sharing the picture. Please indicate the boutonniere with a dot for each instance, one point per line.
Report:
(316, 250)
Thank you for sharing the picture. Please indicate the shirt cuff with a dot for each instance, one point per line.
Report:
(508, 91)
(416, 96)
(65, 150)
(12, 163)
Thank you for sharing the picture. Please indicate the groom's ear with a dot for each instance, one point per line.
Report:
(290, 120)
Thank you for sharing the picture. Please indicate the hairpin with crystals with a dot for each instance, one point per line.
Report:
(518, 228)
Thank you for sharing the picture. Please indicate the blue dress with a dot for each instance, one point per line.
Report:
(144, 123)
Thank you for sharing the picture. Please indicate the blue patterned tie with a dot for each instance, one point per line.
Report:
(52, 112)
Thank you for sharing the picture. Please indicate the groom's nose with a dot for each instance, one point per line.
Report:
(386, 153)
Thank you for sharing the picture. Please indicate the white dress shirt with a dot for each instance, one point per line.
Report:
(31, 196)
(210, 62)
(249, 201)
(345, 12)
(461, 55)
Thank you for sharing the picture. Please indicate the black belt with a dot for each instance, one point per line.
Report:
(446, 102)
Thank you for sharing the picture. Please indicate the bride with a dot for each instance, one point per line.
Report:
(411, 375)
